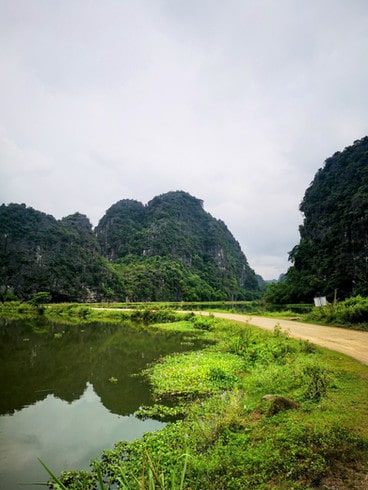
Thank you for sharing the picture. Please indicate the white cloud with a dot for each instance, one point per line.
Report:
(238, 103)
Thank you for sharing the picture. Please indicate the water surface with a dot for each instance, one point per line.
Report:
(68, 392)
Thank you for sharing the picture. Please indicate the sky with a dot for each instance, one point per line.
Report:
(237, 102)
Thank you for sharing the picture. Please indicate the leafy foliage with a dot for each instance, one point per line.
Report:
(168, 250)
(333, 249)
(171, 249)
(39, 253)
(40, 299)
(352, 311)
(195, 373)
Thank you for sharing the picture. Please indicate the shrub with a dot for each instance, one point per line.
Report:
(352, 311)
(40, 298)
(316, 380)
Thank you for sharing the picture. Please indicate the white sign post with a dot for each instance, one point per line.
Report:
(320, 301)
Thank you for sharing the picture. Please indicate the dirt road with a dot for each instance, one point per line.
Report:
(350, 342)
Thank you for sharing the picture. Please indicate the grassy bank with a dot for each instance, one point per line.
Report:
(71, 313)
(255, 410)
(351, 313)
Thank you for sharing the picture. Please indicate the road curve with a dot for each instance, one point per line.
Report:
(353, 343)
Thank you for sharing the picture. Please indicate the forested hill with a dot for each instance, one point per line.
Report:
(39, 253)
(176, 248)
(168, 250)
(332, 255)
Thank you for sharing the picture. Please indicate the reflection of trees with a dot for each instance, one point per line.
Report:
(63, 358)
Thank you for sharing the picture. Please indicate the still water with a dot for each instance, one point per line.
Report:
(68, 392)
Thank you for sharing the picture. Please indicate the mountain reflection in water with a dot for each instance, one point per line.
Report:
(65, 435)
(57, 402)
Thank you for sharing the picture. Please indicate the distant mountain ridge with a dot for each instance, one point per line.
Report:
(168, 250)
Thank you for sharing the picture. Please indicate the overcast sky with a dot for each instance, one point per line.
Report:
(237, 102)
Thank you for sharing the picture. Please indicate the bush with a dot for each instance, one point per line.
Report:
(40, 298)
(353, 311)
(316, 380)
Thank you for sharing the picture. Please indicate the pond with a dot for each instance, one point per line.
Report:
(68, 392)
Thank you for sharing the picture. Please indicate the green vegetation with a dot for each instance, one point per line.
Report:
(351, 313)
(195, 374)
(66, 350)
(331, 257)
(173, 250)
(40, 298)
(255, 410)
(165, 279)
(39, 253)
(169, 250)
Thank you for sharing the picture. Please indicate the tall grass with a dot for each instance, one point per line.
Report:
(151, 478)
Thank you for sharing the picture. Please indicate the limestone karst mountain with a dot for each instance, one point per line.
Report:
(168, 250)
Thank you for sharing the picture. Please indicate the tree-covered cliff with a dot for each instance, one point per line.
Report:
(332, 255)
(39, 253)
(169, 249)
(173, 249)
